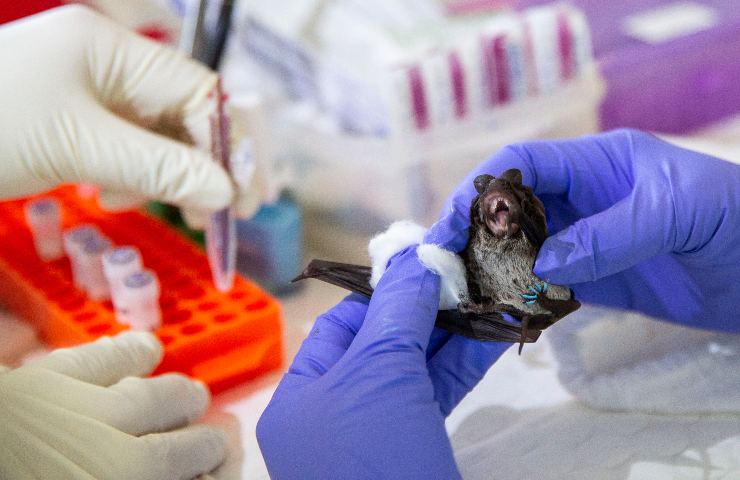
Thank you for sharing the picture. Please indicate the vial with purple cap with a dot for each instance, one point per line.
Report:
(140, 295)
(90, 267)
(74, 240)
(118, 263)
(45, 220)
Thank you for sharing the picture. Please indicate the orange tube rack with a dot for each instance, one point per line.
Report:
(220, 338)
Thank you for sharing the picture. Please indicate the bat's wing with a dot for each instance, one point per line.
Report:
(488, 326)
(355, 278)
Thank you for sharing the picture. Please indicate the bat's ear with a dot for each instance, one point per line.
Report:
(481, 182)
(513, 175)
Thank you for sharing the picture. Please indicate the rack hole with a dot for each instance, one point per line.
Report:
(178, 316)
(205, 306)
(224, 317)
(192, 329)
(179, 282)
(168, 303)
(99, 328)
(191, 292)
(238, 295)
(85, 316)
(72, 303)
(57, 289)
(258, 304)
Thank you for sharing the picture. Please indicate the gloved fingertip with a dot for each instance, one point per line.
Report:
(208, 187)
(247, 203)
(221, 439)
(217, 194)
(135, 340)
(202, 389)
(201, 396)
(117, 201)
(408, 278)
(218, 441)
(195, 219)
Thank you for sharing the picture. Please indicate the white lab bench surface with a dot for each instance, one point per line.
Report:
(519, 422)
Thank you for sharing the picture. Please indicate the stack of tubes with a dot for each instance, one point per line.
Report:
(100, 269)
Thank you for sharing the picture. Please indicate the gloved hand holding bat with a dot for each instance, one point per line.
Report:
(638, 223)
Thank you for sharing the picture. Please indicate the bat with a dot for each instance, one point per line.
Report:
(507, 228)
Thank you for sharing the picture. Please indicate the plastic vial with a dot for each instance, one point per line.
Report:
(45, 219)
(90, 267)
(118, 263)
(74, 240)
(140, 296)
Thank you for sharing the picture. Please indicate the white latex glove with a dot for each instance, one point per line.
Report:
(82, 101)
(84, 413)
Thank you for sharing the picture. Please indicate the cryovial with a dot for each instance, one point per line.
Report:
(45, 220)
(140, 296)
(90, 267)
(73, 240)
(118, 263)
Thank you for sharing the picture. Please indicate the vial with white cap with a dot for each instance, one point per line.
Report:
(90, 267)
(74, 240)
(118, 263)
(45, 220)
(140, 295)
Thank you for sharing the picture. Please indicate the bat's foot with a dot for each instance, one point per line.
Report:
(535, 293)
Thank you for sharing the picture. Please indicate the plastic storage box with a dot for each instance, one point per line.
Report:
(670, 66)
(372, 140)
(365, 182)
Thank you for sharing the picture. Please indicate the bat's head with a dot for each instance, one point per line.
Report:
(508, 208)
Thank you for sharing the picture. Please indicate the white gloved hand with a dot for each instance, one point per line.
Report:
(85, 100)
(84, 413)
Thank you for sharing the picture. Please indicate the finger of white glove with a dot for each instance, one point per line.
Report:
(116, 201)
(120, 156)
(108, 359)
(244, 207)
(135, 406)
(247, 202)
(188, 452)
(153, 79)
(157, 404)
(195, 218)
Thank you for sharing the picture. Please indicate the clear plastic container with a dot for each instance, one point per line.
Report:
(366, 182)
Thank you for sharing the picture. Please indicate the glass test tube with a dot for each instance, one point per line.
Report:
(90, 267)
(140, 295)
(73, 240)
(45, 220)
(118, 263)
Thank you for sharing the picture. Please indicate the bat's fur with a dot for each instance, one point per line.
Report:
(500, 266)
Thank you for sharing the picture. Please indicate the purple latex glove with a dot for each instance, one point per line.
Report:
(368, 392)
(638, 224)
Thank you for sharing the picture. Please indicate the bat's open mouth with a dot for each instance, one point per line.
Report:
(501, 216)
(501, 212)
